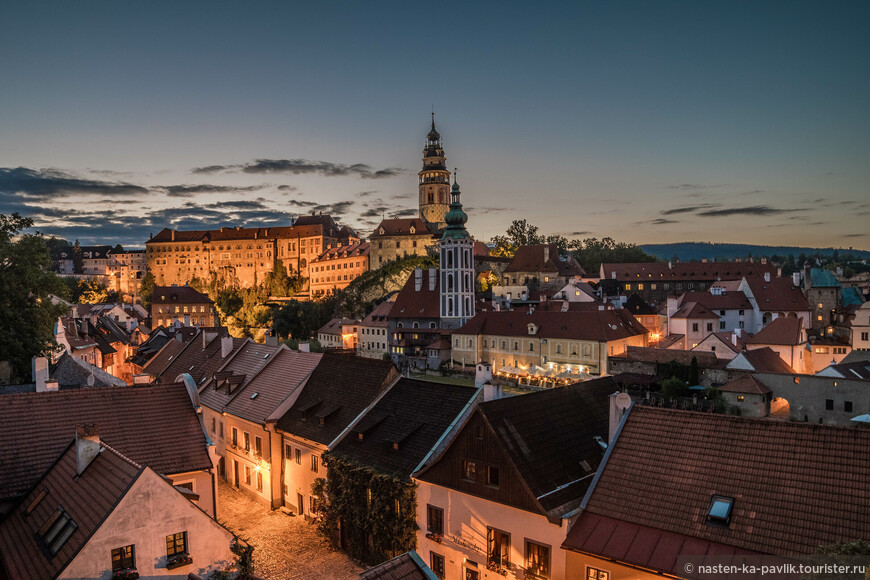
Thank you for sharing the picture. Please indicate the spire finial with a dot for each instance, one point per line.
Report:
(433, 116)
(455, 175)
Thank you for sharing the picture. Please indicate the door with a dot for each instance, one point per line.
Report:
(472, 574)
(235, 473)
(300, 501)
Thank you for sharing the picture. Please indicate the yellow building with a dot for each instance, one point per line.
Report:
(337, 267)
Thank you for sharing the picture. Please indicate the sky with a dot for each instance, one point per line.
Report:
(648, 122)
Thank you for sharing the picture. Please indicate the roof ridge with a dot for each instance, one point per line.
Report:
(105, 445)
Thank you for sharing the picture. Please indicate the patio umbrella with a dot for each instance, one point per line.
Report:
(697, 388)
(862, 419)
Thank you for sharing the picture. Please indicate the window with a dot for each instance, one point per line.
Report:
(537, 560)
(740, 398)
(221, 429)
(288, 452)
(313, 463)
(434, 520)
(235, 437)
(720, 509)
(492, 476)
(176, 544)
(829, 404)
(123, 558)
(709, 327)
(56, 530)
(259, 481)
(247, 475)
(247, 442)
(721, 325)
(694, 327)
(469, 470)
(436, 562)
(847, 406)
(498, 547)
(864, 336)
(596, 574)
(258, 446)
(213, 424)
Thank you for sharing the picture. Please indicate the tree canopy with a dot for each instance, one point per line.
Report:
(27, 313)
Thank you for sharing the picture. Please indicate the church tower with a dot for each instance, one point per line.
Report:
(456, 250)
(434, 181)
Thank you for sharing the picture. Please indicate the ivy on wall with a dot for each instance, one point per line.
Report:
(371, 515)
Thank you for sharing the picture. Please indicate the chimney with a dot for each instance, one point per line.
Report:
(226, 346)
(796, 279)
(142, 379)
(672, 305)
(482, 374)
(173, 235)
(613, 275)
(670, 265)
(304, 347)
(767, 276)
(619, 402)
(418, 279)
(491, 392)
(432, 278)
(546, 253)
(87, 446)
(39, 366)
(734, 337)
(52, 386)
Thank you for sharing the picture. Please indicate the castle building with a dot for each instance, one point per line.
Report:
(456, 250)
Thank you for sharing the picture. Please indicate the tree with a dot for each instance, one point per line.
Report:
(78, 261)
(146, 290)
(519, 233)
(118, 249)
(694, 378)
(592, 252)
(27, 313)
(674, 387)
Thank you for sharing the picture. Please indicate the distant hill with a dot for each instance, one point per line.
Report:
(686, 251)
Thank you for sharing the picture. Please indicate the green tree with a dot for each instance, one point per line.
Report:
(519, 233)
(78, 261)
(694, 377)
(146, 290)
(674, 387)
(118, 249)
(593, 252)
(27, 313)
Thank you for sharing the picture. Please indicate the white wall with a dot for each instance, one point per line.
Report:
(298, 477)
(149, 512)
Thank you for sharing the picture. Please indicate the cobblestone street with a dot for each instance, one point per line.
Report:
(284, 546)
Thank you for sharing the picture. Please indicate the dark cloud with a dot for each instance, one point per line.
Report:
(48, 184)
(486, 210)
(300, 203)
(192, 190)
(658, 222)
(693, 186)
(855, 235)
(335, 209)
(287, 188)
(304, 166)
(366, 193)
(760, 210)
(688, 209)
(578, 233)
(403, 213)
(374, 212)
(402, 196)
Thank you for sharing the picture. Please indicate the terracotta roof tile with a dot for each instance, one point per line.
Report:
(745, 384)
(378, 316)
(597, 325)
(245, 361)
(687, 271)
(88, 499)
(727, 301)
(401, 227)
(407, 566)
(153, 425)
(543, 258)
(762, 360)
(779, 295)
(423, 303)
(179, 295)
(780, 331)
(796, 486)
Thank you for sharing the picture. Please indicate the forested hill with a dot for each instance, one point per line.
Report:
(686, 251)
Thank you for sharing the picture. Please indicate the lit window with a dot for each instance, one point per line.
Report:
(176, 544)
(720, 509)
(436, 562)
(313, 463)
(537, 560)
(469, 470)
(124, 558)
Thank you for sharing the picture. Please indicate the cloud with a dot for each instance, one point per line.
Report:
(374, 212)
(486, 210)
(300, 203)
(688, 209)
(760, 210)
(855, 235)
(693, 186)
(192, 190)
(659, 222)
(403, 213)
(402, 196)
(334, 209)
(47, 184)
(367, 193)
(304, 166)
(287, 188)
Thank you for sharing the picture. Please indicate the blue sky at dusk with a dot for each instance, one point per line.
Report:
(644, 121)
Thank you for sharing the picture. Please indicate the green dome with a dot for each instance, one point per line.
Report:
(455, 218)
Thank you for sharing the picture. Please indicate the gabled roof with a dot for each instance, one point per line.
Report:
(745, 384)
(153, 425)
(760, 360)
(853, 370)
(336, 392)
(402, 227)
(179, 295)
(821, 278)
(355, 250)
(724, 337)
(413, 415)
(778, 295)
(244, 362)
(378, 316)
(727, 301)
(423, 303)
(336, 325)
(543, 258)
(851, 296)
(88, 499)
(158, 362)
(636, 305)
(199, 361)
(407, 566)
(549, 434)
(685, 271)
(782, 330)
(593, 325)
(282, 374)
(695, 311)
(72, 373)
(796, 486)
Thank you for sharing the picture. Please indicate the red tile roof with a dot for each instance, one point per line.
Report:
(179, 295)
(543, 258)
(336, 326)
(726, 301)
(198, 361)
(595, 325)
(411, 303)
(153, 425)
(245, 362)
(781, 331)
(87, 498)
(164, 357)
(762, 360)
(695, 311)
(778, 295)
(359, 249)
(401, 227)
(685, 271)
(282, 374)
(796, 486)
(378, 316)
(407, 566)
(745, 384)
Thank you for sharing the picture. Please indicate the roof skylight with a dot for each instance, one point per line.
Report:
(720, 509)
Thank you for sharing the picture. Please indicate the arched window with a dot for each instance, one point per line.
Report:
(449, 257)
(431, 325)
(400, 325)
(416, 325)
(450, 307)
(450, 282)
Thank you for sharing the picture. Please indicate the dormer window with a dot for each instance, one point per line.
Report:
(720, 510)
(413, 229)
(381, 231)
(533, 328)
